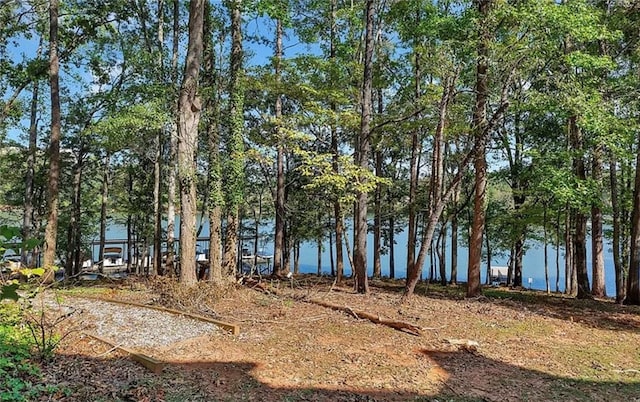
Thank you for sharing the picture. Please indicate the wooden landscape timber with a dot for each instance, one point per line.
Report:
(233, 328)
(149, 362)
(398, 325)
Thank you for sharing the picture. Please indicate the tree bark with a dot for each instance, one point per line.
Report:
(615, 207)
(189, 118)
(157, 163)
(51, 232)
(633, 282)
(569, 284)
(488, 246)
(545, 245)
(130, 242)
(480, 126)
(335, 151)
(364, 149)
(414, 173)
(278, 268)
(558, 251)
(234, 173)
(597, 249)
(173, 147)
(579, 217)
(438, 199)
(74, 248)
(442, 252)
(392, 247)
(215, 199)
(157, 211)
(27, 218)
(454, 240)
(518, 258)
(377, 221)
(104, 202)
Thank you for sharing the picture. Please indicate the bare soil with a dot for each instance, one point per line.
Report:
(530, 346)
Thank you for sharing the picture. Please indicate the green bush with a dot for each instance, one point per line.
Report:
(19, 376)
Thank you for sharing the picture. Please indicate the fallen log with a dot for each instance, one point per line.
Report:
(149, 362)
(397, 325)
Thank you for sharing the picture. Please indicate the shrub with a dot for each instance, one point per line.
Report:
(19, 376)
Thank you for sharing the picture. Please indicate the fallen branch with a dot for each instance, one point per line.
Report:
(398, 325)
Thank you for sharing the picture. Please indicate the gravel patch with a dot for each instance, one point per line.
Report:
(137, 327)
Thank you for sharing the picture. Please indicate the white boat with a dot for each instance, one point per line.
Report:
(112, 257)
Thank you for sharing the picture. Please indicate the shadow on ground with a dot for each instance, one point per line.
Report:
(603, 314)
(454, 376)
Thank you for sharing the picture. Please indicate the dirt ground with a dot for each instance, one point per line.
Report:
(505, 346)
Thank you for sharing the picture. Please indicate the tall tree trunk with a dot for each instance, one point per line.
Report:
(633, 282)
(74, 248)
(615, 206)
(597, 249)
(51, 232)
(442, 252)
(157, 211)
(104, 202)
(27, 218)
(569, 285)
(414, 172)
(333, 265)
(627, 177)
(319, 256)
(214, 179)
(173, 146)
(579, 217)
(189, 118)
(558, 252)
(437, 198)
(516, 167)
(377, 221)
(392, 247)
(130, 242)
(454, 240)
(518, 248)
(377, 212)
(157, 163)
(480, 127)
(335, 151)
(488, 246)
(234, 173)
(364, 149)
(280, 178)
(512, 263)
(296, 257)
(546, 243)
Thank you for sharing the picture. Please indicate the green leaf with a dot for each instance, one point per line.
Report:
(29, 272)
(9, 292)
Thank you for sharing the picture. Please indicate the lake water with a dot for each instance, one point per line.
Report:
(533, 261)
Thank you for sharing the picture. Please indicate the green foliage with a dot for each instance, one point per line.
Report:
(346, 183)
(275, 9)
(9, 292)
(19, 377)
(119, 130)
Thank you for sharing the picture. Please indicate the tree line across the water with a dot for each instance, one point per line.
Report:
(488, 122)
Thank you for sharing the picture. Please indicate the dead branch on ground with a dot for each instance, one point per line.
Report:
(398, 325)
